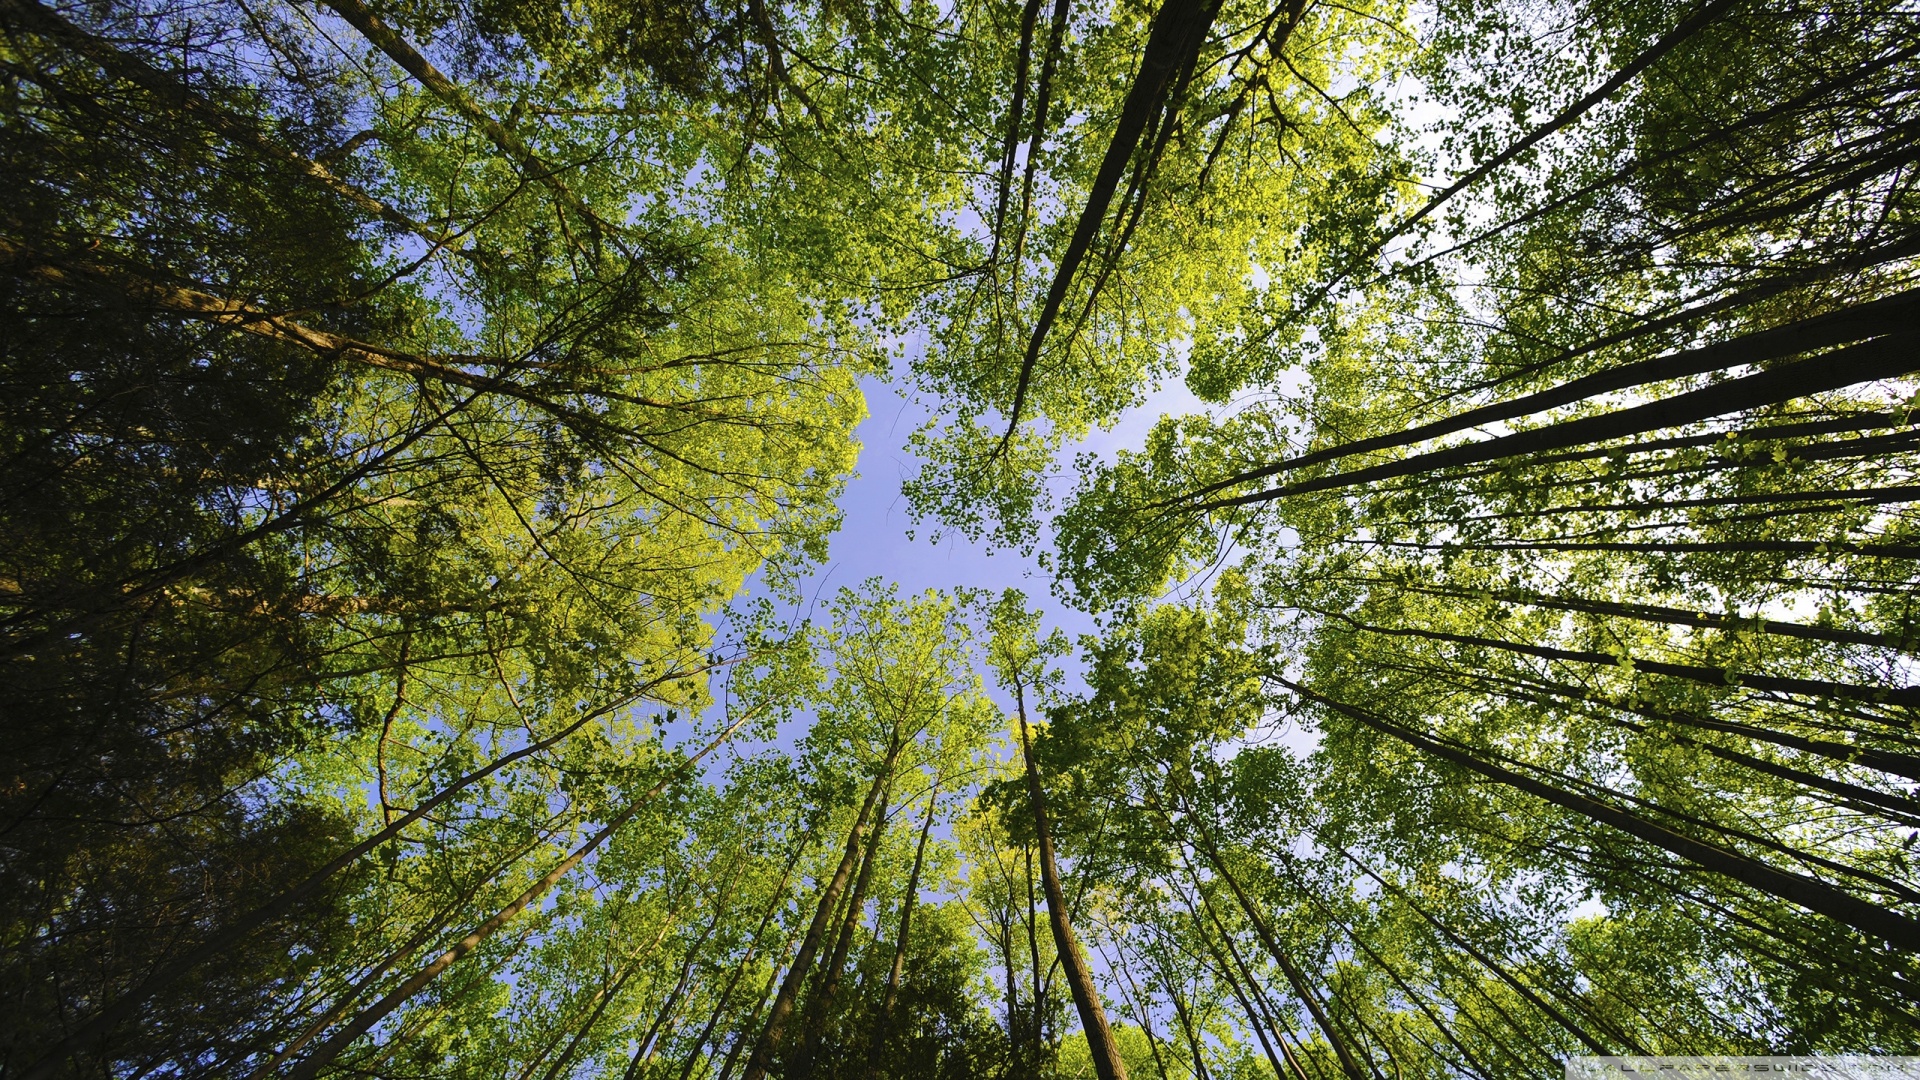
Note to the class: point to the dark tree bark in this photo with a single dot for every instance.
(774, 1033)
(1900, 695)
(1101, 1046)
(1816, 896)
(1349, 1063)
(124, 1008)
(1179, 29)
(1893, 314)
(883, 1024)
(307, 1067)
(1667, 616)
(1885, 357)
(820, 1007)
(740, 969)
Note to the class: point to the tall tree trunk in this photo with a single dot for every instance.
(775, 1031)
(1903, 695)
(1013, 979)
(1107, 1063)
(1809, 893)
(1888, 315)
(1193, 1041)
(1419, 1001)
(883, 1024)
(397, 49)
(1494, 967)
(603, 999)
(741, 1040)
(1178, 31)
(1016, 112)
(1254, 1007)
(1142, 1011)
(327, 1051)
(740, 969)
(420, 936)
(227, 936)
(1906, 552)
(1037, 994)
(1882, 358)
(1886, 761)
(643, 1054)
(177, 94)
(820, 1008)
(1667, 616)
(1297, 978)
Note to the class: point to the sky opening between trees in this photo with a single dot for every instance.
(424, 423)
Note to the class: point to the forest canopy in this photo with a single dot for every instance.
(424, 422)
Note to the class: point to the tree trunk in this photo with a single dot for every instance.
(176, 93)
(397, 49)
(1142, 1011)
(1419, 1001)
(1902, 695)
(361, 1024)
(1497, 969)
(1677, 547)
(605, 998)
(1036, 993)
(1349, 1064)
(1820, 501)
(1654, 613)
(883, 1024)
(427, 929)
(1178, 31)
(740, 969)
(1107, 1063)
(1016, 110)
(227, 936)
(643, 1054)
(820, 1008)
(1809, 893)
(1891, 314)
(775, 1031)
(1881, 358)
(1255, 1007)
(1886, 761)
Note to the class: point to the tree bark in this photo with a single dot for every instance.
(419, 938)
(1888, 315)
(740, 969)
(1901, 695)
(1349, 1064)
(175, 92)
(1173, 45)
(883, 1024)
(1809, 893)
(1497, 969)
(1880, 358)
(774, 1033)
(1101, 1046)
(307, 1067)
(602, 1000)
(1676, 547)
(1255, 1007)
(1141, 1006)
(397, 49)
(1667, 616)
(820, 1008)
(223, 939)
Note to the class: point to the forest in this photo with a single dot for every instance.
(425, 424)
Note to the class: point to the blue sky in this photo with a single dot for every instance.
(873, 540)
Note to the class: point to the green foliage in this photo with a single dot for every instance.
(1513, 662)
